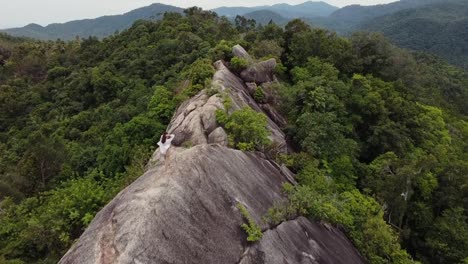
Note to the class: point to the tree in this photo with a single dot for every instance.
(244, 24)
(448, 239)
(247, 128)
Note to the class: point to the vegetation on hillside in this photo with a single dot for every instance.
(372, 117)
(381, 133)
(79, 120)
(439, 29)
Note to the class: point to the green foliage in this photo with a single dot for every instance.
(359, 215)
(212, 90)
(200, 75)
(381, 132)
(254, 233)
(259, 95)
(432, 28)
(265, 48)
(244, 24)
(58, 72)
(79, 119)
(246, 146)
(448, 239)
(161, 104)
(247, 128)
(373, 117)
(201, 70)
(238, 64)
(53, 221)
(222, 51)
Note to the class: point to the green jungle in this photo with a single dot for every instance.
(380, 132)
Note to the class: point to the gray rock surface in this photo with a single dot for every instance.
(183, 209)
(195, 119)
(304, 242)
(260, 72)
(231, 85)
(218, 136)
(240, 52)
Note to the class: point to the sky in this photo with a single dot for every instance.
(18, 13)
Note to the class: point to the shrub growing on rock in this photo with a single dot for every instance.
(239, 64)
(252, 228)
(247, 128)
(259, 95)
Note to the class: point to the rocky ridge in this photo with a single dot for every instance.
(184, 210)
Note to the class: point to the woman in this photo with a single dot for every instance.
(165, 143)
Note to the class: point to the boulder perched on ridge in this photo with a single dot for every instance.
(261, 72)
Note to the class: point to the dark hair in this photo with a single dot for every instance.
(164, 137)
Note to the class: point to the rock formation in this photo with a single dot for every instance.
(184, 210)
(260, 72)
(240, 52)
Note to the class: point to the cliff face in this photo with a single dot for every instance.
(184, 210)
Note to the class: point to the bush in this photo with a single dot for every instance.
(251, 228)
(247, 128)
(360, 215)
(259, 95)
(266, 48)
(239, 64)
(200, 71)
(222, 51)
(52, 223)
(58, 72)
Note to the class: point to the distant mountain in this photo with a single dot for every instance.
(307, 9)
(348, 18)
(100, 27)
(265, 16)
(440, 28)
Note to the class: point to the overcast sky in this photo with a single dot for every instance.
(16, 13)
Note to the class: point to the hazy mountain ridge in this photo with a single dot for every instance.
(435, 26)
(263, 17)
(99, 27)
(348, 18)
(440, 28)
(306, 9)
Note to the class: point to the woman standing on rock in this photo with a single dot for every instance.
(165, 143)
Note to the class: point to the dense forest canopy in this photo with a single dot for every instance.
(433, 26)
(438, 28)
(380, 132)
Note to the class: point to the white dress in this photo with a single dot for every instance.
(163, 147)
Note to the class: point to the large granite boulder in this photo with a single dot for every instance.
(304, 242)
(260, 72)
(195, 119)
(184, 211)
(240, 52)
(218, 136)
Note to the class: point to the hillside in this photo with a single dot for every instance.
(264, 17)
(99, 27)
(347, 19)
(440, 29)
(435, 26)
(293, 149)
(306, 9)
